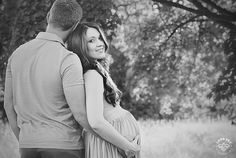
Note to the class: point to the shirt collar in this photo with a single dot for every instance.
(50, 37)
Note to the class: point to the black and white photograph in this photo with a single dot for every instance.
(117, 78)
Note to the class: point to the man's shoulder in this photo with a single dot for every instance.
(68, 52)
(20, 48)
(26, 46)
(23, 45)
(58, 47)
(69, 55)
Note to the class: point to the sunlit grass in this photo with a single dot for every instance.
(185, 139)
(178, 139)
(8, 143)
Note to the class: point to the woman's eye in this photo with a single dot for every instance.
(91, 41)
(100, 37)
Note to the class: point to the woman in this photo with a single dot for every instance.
(105, 116)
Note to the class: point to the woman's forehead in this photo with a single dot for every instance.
(92, 32)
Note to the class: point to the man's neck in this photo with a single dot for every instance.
(62, 34)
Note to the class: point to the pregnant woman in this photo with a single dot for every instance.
(116, 132)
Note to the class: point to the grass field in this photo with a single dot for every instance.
(179, 139)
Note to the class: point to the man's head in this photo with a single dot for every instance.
(64, 14)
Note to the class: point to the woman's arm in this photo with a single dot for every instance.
(94, 103)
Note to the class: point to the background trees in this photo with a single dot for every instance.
(216, 18)
(168, 55)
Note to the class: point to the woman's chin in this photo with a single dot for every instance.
(102, 56)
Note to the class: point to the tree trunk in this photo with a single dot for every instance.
(13, 12)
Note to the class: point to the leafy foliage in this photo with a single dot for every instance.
(172, 54)
(168, 55)
(220, 13)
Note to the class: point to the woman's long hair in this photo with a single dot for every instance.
(77, 43)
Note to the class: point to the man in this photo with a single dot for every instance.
(44, 90)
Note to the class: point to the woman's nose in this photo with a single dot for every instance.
(100, 43)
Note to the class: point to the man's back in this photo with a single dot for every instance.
(38, 71)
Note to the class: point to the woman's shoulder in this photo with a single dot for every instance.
(92, 74)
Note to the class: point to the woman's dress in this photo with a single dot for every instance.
(124, 122)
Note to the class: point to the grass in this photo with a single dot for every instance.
(8, 143)
(185, 139)
(178, 139)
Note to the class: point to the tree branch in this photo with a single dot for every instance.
(181, 25)
(177, 5)
(220, 9)
(205, 11)
(16, 15)
(222, 20)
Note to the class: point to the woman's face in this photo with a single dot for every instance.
(95, 44)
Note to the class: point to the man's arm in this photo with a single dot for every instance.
(75, 97)
(8, 103)
(74, 90)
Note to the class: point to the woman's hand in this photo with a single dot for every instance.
(136, 143)
(135, 148)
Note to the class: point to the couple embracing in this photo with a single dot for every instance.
(60, 99)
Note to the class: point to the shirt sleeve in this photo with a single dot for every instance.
(8, 70)
(72, 71)
(8, 94)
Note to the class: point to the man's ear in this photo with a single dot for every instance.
(75, 25)
(48, 14)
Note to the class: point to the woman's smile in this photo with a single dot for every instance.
(100, 50)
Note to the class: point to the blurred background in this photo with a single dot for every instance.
(174, 60)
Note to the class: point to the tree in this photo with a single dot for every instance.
(133, 15)
(222, 13)
(171, 55)
(166, 59)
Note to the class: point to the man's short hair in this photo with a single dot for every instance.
(64, 14)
